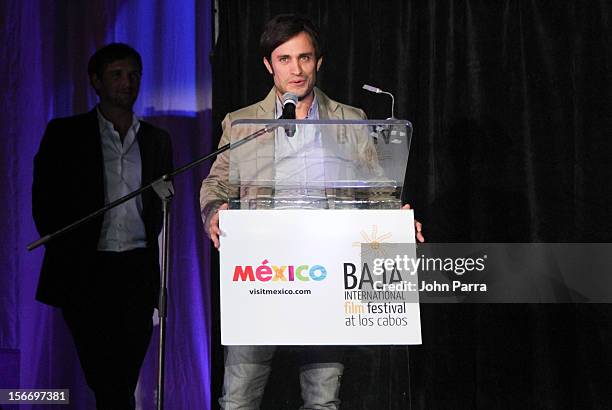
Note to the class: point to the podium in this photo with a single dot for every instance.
(313, 243)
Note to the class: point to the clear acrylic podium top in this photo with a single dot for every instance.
(318, 164)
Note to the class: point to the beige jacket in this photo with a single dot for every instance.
(216, 188)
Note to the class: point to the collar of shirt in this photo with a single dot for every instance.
(313, 111)
(107, 130)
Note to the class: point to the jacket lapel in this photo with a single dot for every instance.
(265, 144)
(94, 142)
(328, 109)
(267, 106)
(144, 145)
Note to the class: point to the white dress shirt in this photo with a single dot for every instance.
(123, 228)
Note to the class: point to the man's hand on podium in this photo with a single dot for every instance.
(418, 227)
(213, 226)
(215, 231)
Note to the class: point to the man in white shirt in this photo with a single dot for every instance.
(105, 274)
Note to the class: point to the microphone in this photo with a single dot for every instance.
(289, 101)
(376, 90)
(372, 89)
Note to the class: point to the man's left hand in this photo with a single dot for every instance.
(418, 227)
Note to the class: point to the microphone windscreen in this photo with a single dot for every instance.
(290, 98)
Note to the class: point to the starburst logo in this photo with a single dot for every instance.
(372, 242)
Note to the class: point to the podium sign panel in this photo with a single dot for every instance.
(304, 277)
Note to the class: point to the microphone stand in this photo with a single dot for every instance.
(377, 90)
(165, 190)
(384, 130)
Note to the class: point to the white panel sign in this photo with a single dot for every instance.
(296, 277)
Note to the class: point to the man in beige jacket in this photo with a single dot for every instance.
(291, 52)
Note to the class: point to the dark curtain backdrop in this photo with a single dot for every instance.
(511, 104)
(45, 46)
